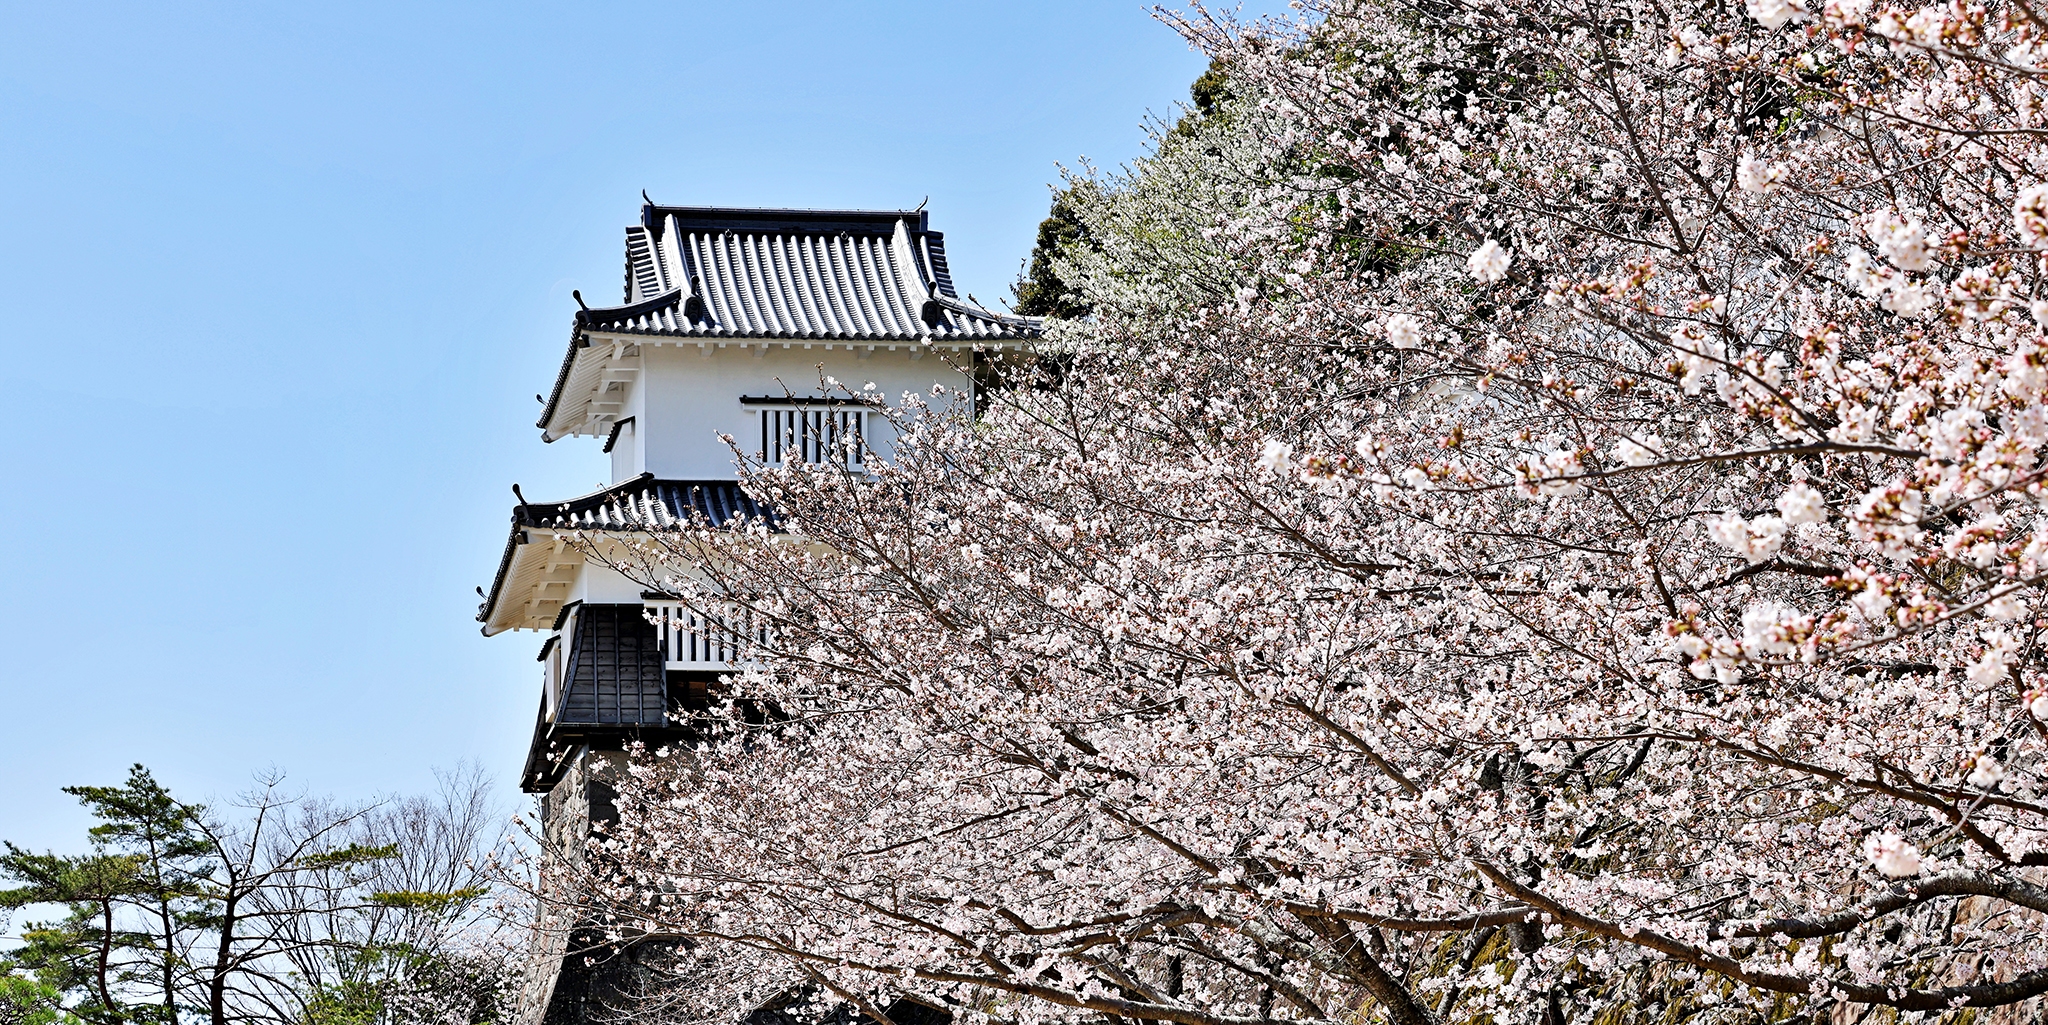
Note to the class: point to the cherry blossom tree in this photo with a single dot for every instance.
(1542, 523)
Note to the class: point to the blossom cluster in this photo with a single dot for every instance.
(1545, 517)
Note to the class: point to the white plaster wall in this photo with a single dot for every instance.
(684, 400)
(626, 452)
(603, 585)
(631, 451)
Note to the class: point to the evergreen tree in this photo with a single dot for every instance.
(86, 953)
(291, 910)
(1085, 218)
(28, 1001)
(142, 821)
(1041, 292)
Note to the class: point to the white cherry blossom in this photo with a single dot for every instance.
(1892, 855)
(1751, 173)
(1403, 331)
(2030, 215)
(1773, 14)
(1489, 262)
(1801, 503)
(1631, 452)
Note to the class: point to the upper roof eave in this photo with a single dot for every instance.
(1013, 331)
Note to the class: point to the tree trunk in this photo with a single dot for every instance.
(1393, 996)
(164, 920)
(106, 956)
(217, 986)
(169, 977)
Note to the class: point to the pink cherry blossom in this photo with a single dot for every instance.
(1652, 632)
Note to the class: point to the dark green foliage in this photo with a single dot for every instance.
(26, 1001)
(423, 901)
(1207, 98)
(346, 857)
(85, 953)
(160, 834)
(1041, 292)
(1210, 91)
(129, 904)
(142, 818)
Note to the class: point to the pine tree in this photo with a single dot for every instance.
(142, 821)
(86, 953)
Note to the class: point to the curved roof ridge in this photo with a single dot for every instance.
(647, 498)
(786, 218)
(958, 305)
(592, 316)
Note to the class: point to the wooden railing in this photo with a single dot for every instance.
(692, 640)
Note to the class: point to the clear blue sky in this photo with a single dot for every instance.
(279, 283)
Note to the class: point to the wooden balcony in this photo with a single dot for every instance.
(691, 640)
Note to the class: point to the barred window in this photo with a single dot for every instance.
(810, 432)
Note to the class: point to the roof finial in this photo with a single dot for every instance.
(577, 294)
(643, 196)
(921, 203)
(517, 495)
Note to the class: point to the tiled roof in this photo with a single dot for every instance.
(834, 275)
(784, 278)
(643, 503)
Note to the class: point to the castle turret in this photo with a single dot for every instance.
(732, 321)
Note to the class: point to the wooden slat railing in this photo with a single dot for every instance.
(693, 640)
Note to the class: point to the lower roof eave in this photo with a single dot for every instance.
(624, 509)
